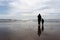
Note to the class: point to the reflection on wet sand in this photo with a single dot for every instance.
(42, 27)
(40, 30)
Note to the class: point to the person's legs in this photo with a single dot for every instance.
(38, 22)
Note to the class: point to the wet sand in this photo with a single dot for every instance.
(27, 30)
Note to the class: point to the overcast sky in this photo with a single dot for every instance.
(29, 9)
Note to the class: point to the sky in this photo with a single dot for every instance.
(29, 9)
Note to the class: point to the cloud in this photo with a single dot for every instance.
(28, 8)
(54, 4)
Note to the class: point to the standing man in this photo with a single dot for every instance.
(39, 19)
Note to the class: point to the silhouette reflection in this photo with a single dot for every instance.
(39, 30)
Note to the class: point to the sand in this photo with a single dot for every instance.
(27, 30)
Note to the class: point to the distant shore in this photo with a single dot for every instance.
(13, 20)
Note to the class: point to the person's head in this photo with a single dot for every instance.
(39, 14)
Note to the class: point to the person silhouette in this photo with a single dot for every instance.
(39, 19)
(42, 24)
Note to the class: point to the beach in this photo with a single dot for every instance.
(27, 30)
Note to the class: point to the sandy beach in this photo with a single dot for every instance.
(27, 30)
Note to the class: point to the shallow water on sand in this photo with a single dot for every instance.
(27, 30)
